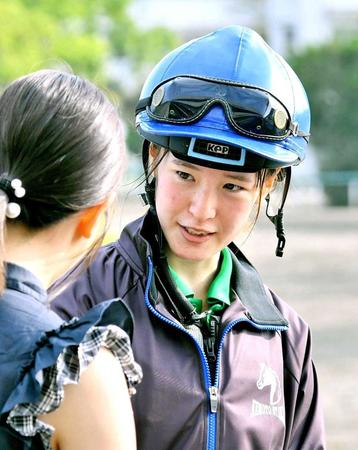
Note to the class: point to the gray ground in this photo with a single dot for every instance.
(318, 276)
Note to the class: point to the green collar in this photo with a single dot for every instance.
(218, 295)
(221, 284)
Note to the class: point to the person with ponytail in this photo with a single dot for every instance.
(63, 386)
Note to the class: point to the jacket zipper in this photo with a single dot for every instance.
(211, 389)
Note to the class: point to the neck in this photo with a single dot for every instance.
(197, 274)
(47, 253)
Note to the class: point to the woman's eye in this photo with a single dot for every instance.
(184, 175)
(232, 187)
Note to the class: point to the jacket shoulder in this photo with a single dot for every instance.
(296, 340)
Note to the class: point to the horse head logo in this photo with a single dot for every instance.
(268, 377)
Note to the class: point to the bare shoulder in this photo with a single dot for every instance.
(96, 412)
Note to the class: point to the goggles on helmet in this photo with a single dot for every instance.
(250, 110)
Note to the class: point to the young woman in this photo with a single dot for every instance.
(62, 386)
(226, 363)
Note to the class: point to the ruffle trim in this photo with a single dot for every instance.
(67, 370)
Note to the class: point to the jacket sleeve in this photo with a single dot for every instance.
(95, 285)
(307, 428)
(304, 414)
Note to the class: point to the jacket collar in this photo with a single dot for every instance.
(22, 280)
(255, 297)
(139, 240)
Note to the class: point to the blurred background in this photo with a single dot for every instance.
(115, 43)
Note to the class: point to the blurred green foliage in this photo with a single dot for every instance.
(330, 76)
(81, 34)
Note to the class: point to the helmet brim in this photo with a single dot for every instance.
(214, 127)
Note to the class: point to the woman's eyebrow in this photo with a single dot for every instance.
(180, 162)
(240, 177)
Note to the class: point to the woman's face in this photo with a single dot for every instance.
(201, 210)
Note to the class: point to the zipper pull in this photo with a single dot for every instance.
(209, 345)
(213, 390)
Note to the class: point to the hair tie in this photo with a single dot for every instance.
(13, 190)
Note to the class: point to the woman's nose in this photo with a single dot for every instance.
(203, 204)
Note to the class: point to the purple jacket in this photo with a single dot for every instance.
(264, 394)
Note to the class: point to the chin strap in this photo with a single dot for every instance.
(148, 196)
(277, 220)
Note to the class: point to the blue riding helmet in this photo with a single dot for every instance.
(226, 100)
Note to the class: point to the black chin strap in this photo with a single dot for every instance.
(277, 220)
(148, 196)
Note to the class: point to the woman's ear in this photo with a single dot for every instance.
(270, 183)
(155, 156)
(88, 220)
(153, 151)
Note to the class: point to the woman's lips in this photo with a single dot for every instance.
(195, 234)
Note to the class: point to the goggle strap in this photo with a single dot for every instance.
(142, 104)
(293, 127)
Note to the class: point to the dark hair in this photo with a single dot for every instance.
(62, 138)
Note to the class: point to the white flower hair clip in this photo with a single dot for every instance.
(13, 190)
